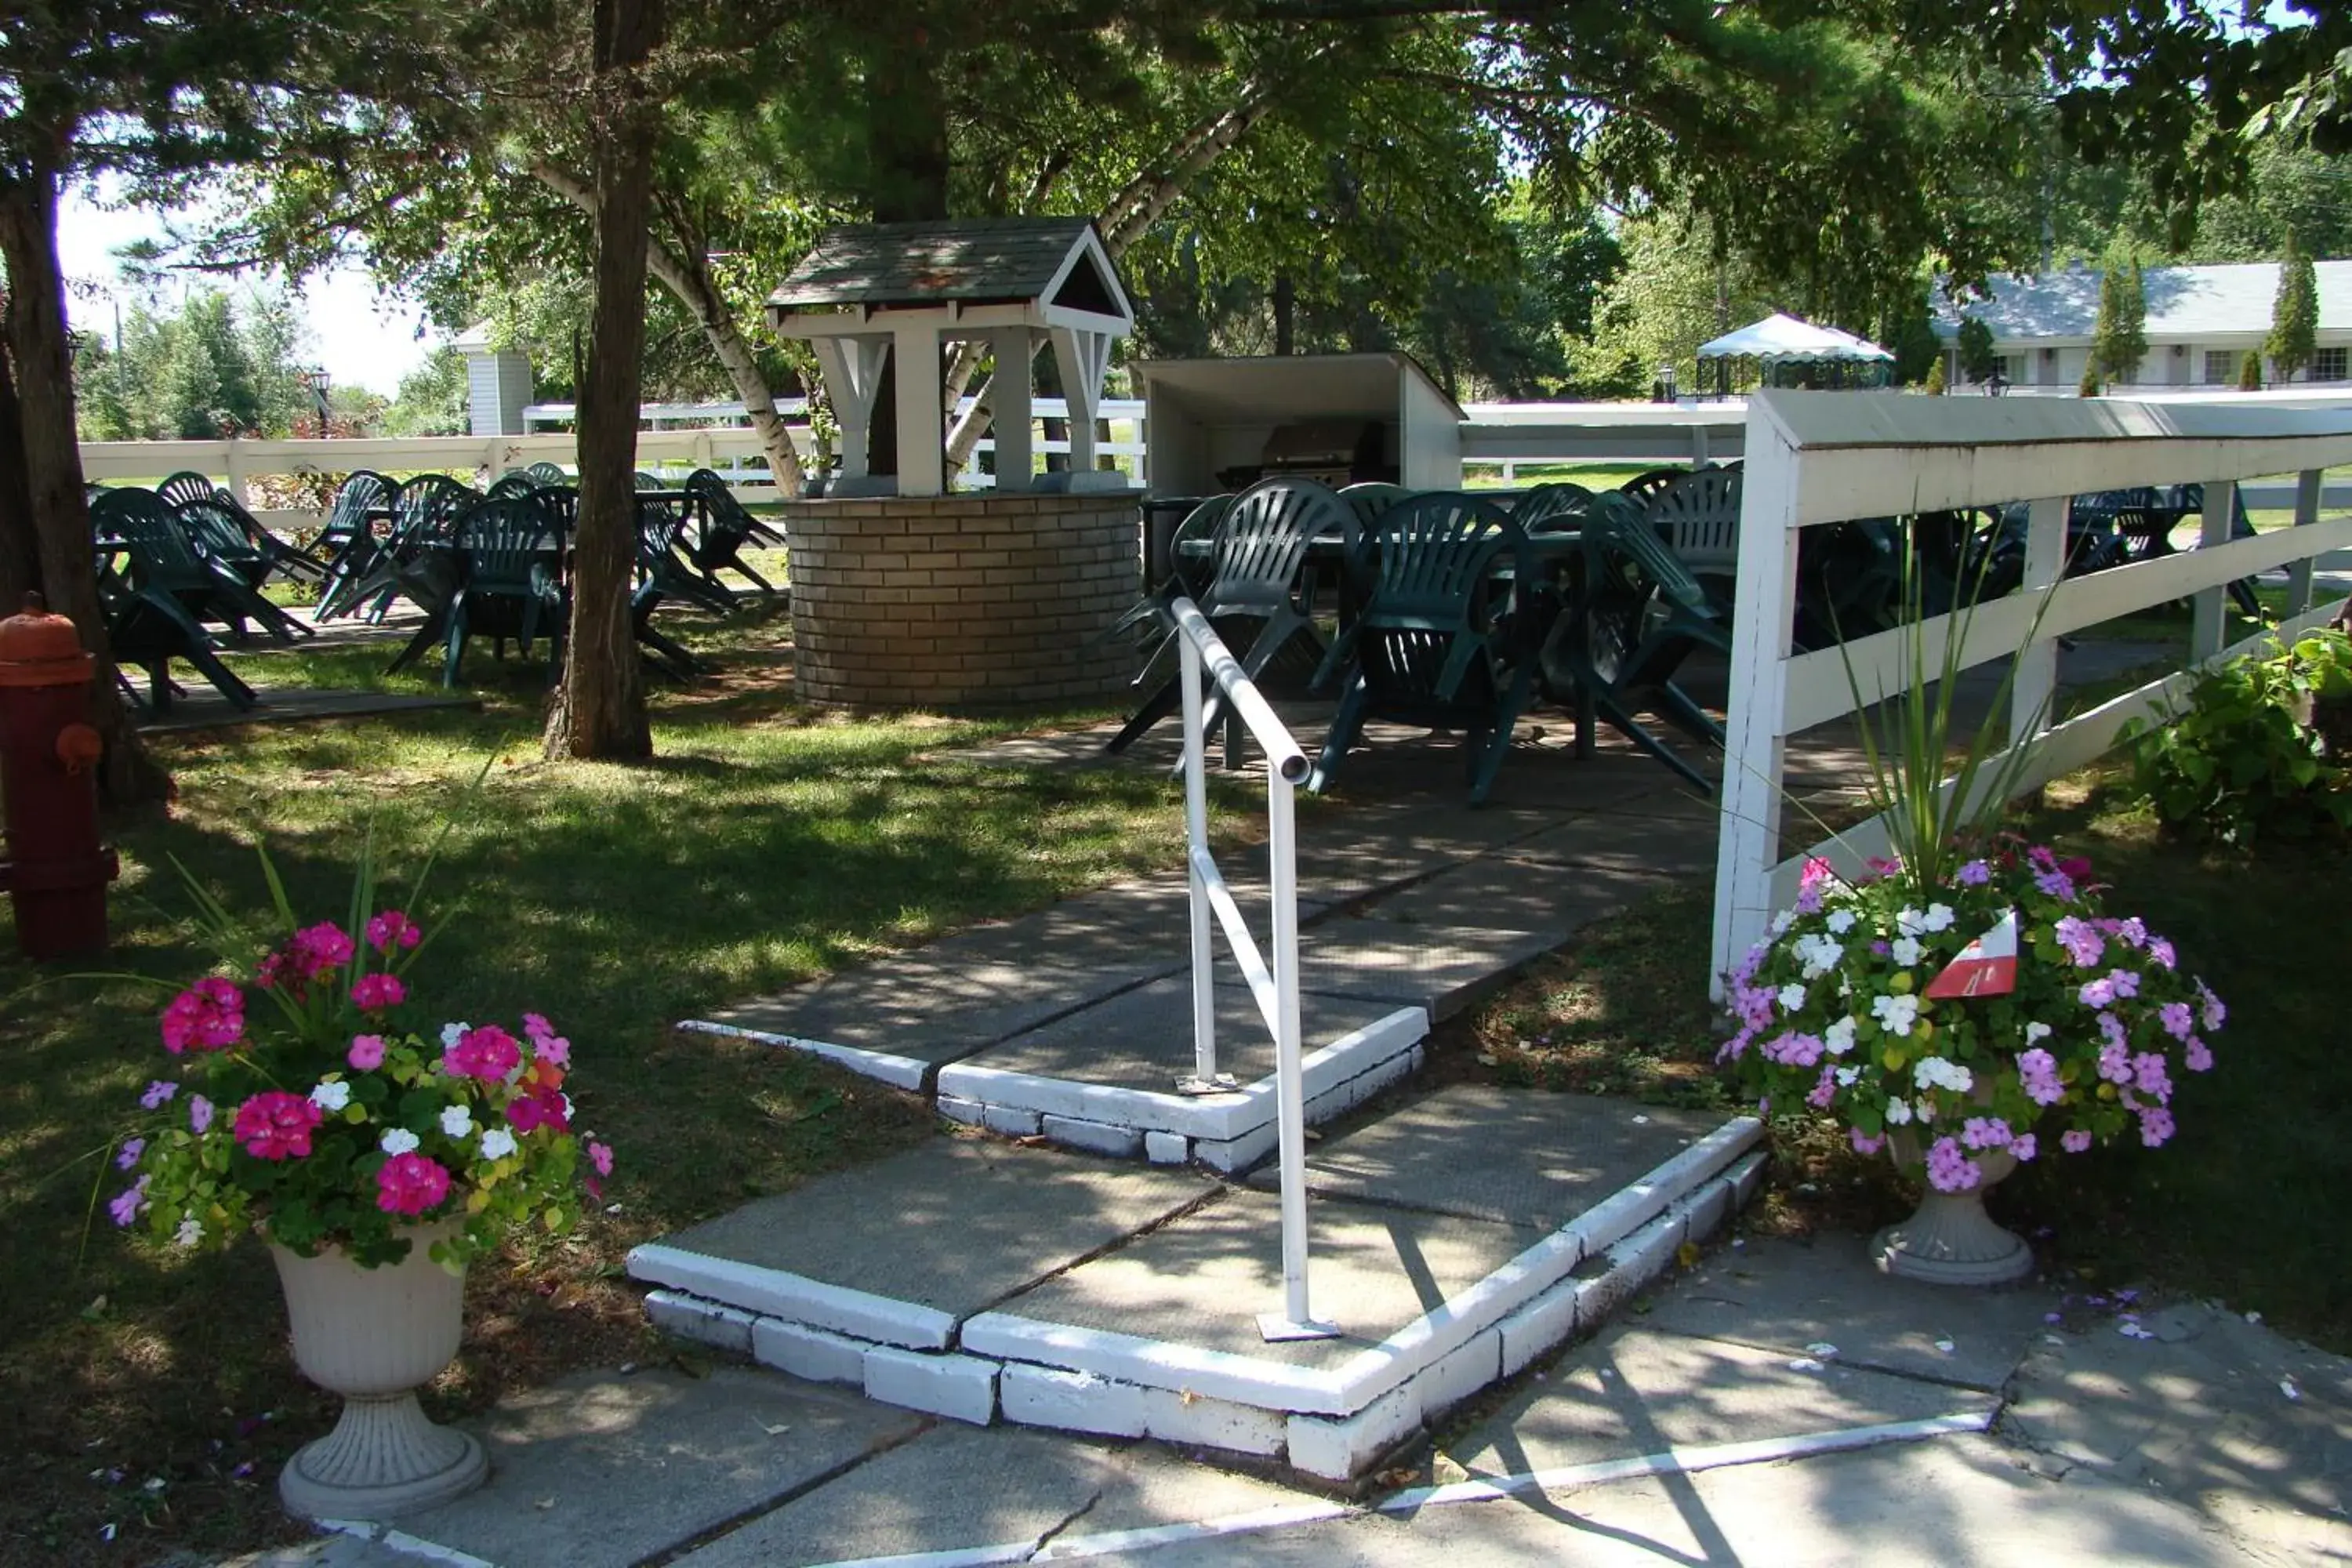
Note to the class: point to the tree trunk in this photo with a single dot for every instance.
(49, 452)
(20, 556)
(1285, 312)
(690, 281)
(600, 710)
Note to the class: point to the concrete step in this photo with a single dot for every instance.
(981, 1280)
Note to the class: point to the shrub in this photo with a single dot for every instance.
(2243, 758)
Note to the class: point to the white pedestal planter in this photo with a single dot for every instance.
(1951, 1240)
(375, 1335)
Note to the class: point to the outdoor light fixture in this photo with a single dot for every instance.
(1667, 381)
(316, 380)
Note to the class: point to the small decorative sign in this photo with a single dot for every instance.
(1986, 967)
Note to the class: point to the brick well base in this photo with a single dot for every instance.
(961, 602)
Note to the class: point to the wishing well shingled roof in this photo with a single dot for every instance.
(922, 263)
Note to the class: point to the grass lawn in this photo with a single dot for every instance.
(2235, 1208)
(765, 845)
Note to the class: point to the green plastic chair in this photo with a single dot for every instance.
(157, 607)
(1698, 516)
(1436, 641)
(213, 530)
(1552, 508)
(548, 474)
(1261, 597)
(509, 561)
(348, 542)
(1371, 497)
(1635, 614)
(718, 545)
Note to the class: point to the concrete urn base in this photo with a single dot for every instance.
(1950, 1241)
(374, 1336)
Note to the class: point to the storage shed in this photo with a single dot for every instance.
(498, 382)
(1214, 425)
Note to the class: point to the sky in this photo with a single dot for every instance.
(362, 336)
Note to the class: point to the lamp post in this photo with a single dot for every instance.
(316, 380)
(1667, 381)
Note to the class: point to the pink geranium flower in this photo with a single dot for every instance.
(210, 1017)
(528, 1112)
(322, 947)
(488, 1052)
(546, 1045)
(392, 929)
(376, 993)
(366, 1053)
(410, 1183)
(275, 1125)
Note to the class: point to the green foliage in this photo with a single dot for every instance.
(2241, 759)
(2119, 337)
(2089, 385)
(1908, 745)
(432, 400)
(1975, 344)
(2293, 342)
(1935, 378)
(218, 367)
(1675, 291)
(2249, 373)
(1909, 333)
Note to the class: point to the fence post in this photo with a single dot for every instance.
(1763, 619)
(2306, 512)
(2036, 685)
(2208, 605)
(236, 466)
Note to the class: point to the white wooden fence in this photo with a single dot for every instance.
(1821, 458)
(732, 449)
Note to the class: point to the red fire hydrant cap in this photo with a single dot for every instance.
(40, 649)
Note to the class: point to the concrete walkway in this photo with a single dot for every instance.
(1773, 1404)
(1768, 1403)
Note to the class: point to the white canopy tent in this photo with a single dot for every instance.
(1781, 340)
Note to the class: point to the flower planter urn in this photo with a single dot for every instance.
(374, 1336)
(1950, 1241)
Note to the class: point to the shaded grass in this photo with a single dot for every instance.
(2236, 1208)
(766, 844)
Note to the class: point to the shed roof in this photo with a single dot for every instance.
(2182, 301)
(969, 259)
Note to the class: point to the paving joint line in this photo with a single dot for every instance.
(759, 1510)
(1117, 1244)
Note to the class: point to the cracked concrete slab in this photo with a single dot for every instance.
(958, 1486)
(2250, 1426)
(1636, 1391)
(1785, 1295)
(602, 1469)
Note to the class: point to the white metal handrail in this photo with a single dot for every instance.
(1824, 457)
(1273, 984)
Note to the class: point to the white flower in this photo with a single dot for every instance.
(1910, 922)
(190, 1232)
(568, 1111)
(1846, 986)
(1935, 1072)
(1838, 921)
(452, 1032)
(1898, 1112)
(397, 1141)
(2037, 1032)
(1819, 954)
(1896, 1014)
(457, 1121)
(1791, 998)
(332, 1095)
(1839, 1036)
(497, 1144)
(1783, 921)
(1938, 918)
(1904, 950)
(1846, 1077)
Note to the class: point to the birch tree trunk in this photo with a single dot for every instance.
(49, 452)
(685, 272)
(600, 710)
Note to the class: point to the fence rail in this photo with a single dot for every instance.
(1824, 458)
